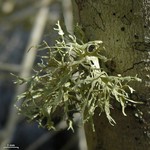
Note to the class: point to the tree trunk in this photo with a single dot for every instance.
(121, 25)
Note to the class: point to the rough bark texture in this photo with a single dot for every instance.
(120, 24)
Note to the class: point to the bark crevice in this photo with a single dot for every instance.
(133, 66)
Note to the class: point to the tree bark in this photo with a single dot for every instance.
(121, 25)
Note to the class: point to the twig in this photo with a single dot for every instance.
(82, 138)
(40, 141)
(68, 15)
(9, 67)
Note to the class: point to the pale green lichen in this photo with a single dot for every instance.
(70, 79)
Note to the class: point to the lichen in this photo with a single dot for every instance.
(69, 79)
